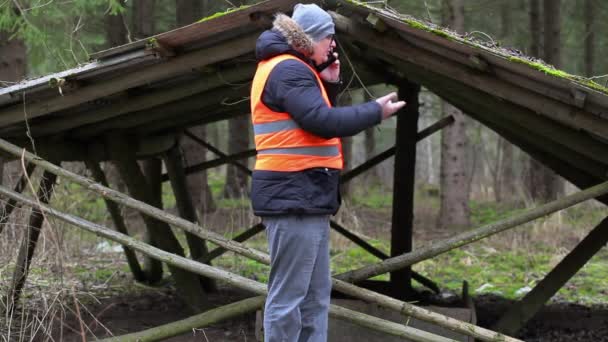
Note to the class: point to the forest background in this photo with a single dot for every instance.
(465, 176)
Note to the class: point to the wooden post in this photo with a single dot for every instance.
(183, 199)
(11, 204)
(188, 285)
(30, 239)
(403, 186)
(149, 276)
(527, 307)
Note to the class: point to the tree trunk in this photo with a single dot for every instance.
(504, 188)
(187, 12)
(143, 19)
(455, 187)
(589, 37)
(238, 141)
(544, 184)
(13, 66)
(116, 31)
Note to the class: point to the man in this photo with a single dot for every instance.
(296, 176)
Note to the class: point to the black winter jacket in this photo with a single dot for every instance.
(292, 88)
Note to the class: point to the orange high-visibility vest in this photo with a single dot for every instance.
(281, 144)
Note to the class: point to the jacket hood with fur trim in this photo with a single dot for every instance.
(286, 36)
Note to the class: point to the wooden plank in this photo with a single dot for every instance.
(218, 152)
(94, 124)
(147, 102)
(584, 146)
(460, 50)
(215, 162)
(171, 68)
(555, 110)
(244, 236)
(251, 17)
(525, 309)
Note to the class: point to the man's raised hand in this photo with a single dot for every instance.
(388, 106)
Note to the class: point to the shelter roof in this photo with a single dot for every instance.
(200, 73)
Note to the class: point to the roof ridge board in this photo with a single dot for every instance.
(204, 28)
(530, 63)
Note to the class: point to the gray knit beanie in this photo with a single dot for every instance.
(314, 21)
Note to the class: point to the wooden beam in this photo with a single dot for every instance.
(422, 280)
(150, 276)
(174, 67)
(522, 311)
(244, 236)
(215, 163)
(437, 126)
(183, 199)
(574, 145)
(218, 152)
(30, 240)
(188, 285)
(208, 89)
(403, 186)
(194, 118)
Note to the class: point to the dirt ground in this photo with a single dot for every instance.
(120, 315)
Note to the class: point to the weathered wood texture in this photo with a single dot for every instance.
(183, 200)
(184, 326)
(403, 186)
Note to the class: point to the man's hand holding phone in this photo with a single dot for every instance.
(330, 70)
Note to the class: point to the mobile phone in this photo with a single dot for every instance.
(330, 60)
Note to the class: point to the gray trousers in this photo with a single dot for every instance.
(299, 286)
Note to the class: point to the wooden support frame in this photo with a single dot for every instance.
(403, 186)
(379, 254)
(150, 276)
(519, 314)
(11, 204)
(30, 240)
(214, 163)
(183, 199)
(437, 126)
(188, 284)
(405, 308)
(217, 151)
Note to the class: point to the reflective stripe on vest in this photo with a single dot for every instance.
(282, 145)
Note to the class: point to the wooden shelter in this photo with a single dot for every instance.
(136, 100)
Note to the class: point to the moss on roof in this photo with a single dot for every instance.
(221, 14)
(490, 47)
